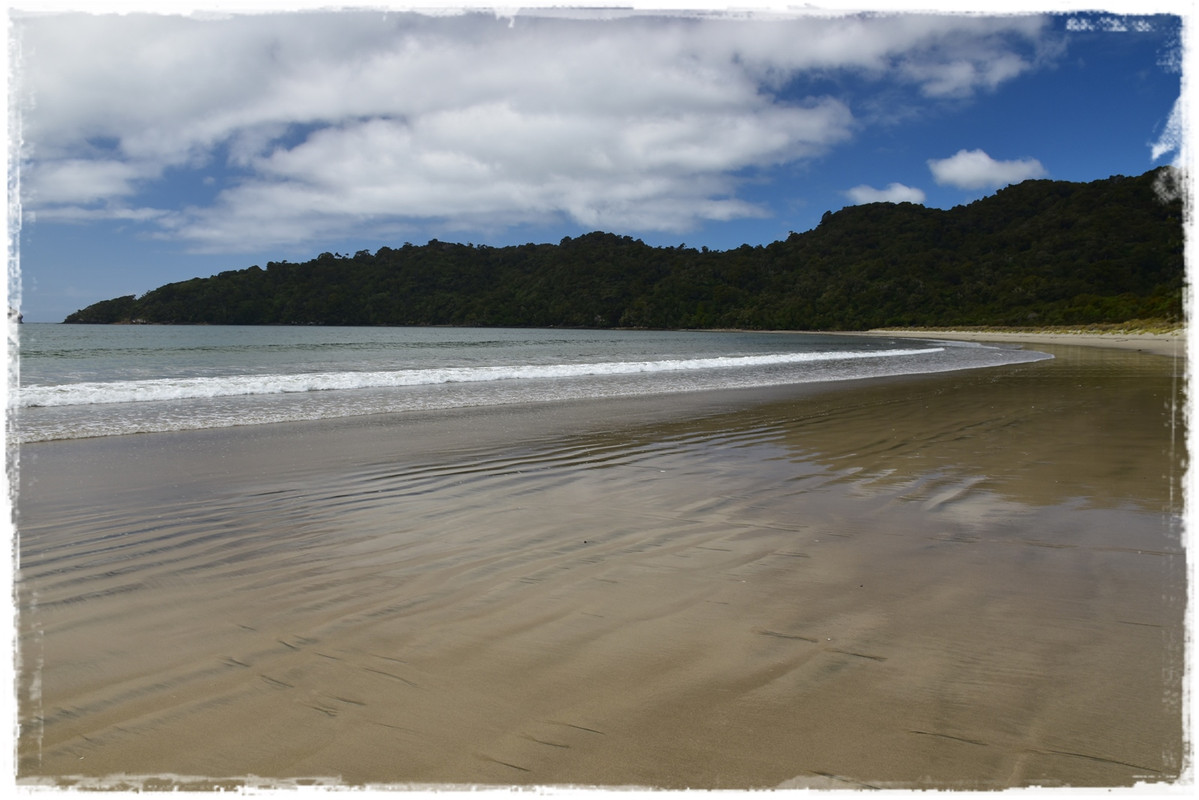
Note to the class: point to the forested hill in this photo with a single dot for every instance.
(1041, 252)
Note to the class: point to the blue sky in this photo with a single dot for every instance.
(160, 147)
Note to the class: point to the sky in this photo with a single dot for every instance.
(147, 148)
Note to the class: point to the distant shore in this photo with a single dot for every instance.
(1168, 343)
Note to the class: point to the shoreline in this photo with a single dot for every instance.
(708, 400)
(1173, 344)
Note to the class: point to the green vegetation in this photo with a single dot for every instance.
(1039, 253)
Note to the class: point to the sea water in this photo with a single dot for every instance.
(76, 381)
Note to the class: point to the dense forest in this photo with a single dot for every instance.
(1041, 252)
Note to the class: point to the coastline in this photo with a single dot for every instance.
(1172, 344)
(957, 580)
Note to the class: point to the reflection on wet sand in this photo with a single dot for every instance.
(970, 580)
(1090, 426)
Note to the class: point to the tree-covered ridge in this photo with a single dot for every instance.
(1044, 252)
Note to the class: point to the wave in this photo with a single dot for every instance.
(94, 393)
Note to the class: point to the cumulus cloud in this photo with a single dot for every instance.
(314, 123)
(78, 180)
(974, 169)
(894, 193)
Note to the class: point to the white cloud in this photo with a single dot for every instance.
(105, 212)
(1171, 139)
(974, 169)
(325, 120)
(894, 193)
(82, 181)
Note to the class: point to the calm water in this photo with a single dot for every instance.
(83, 380)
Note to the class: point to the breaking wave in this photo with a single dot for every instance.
(191, 388)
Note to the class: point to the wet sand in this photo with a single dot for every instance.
(968, 580)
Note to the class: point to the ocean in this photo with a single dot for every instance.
(78, 381)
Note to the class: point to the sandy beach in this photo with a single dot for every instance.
(971, 580)
(1171, 344)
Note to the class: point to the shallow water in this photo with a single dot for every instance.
(79, 381)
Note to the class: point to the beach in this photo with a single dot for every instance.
(965, 580)
(1171, 344)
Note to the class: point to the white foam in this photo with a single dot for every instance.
(95, 393)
